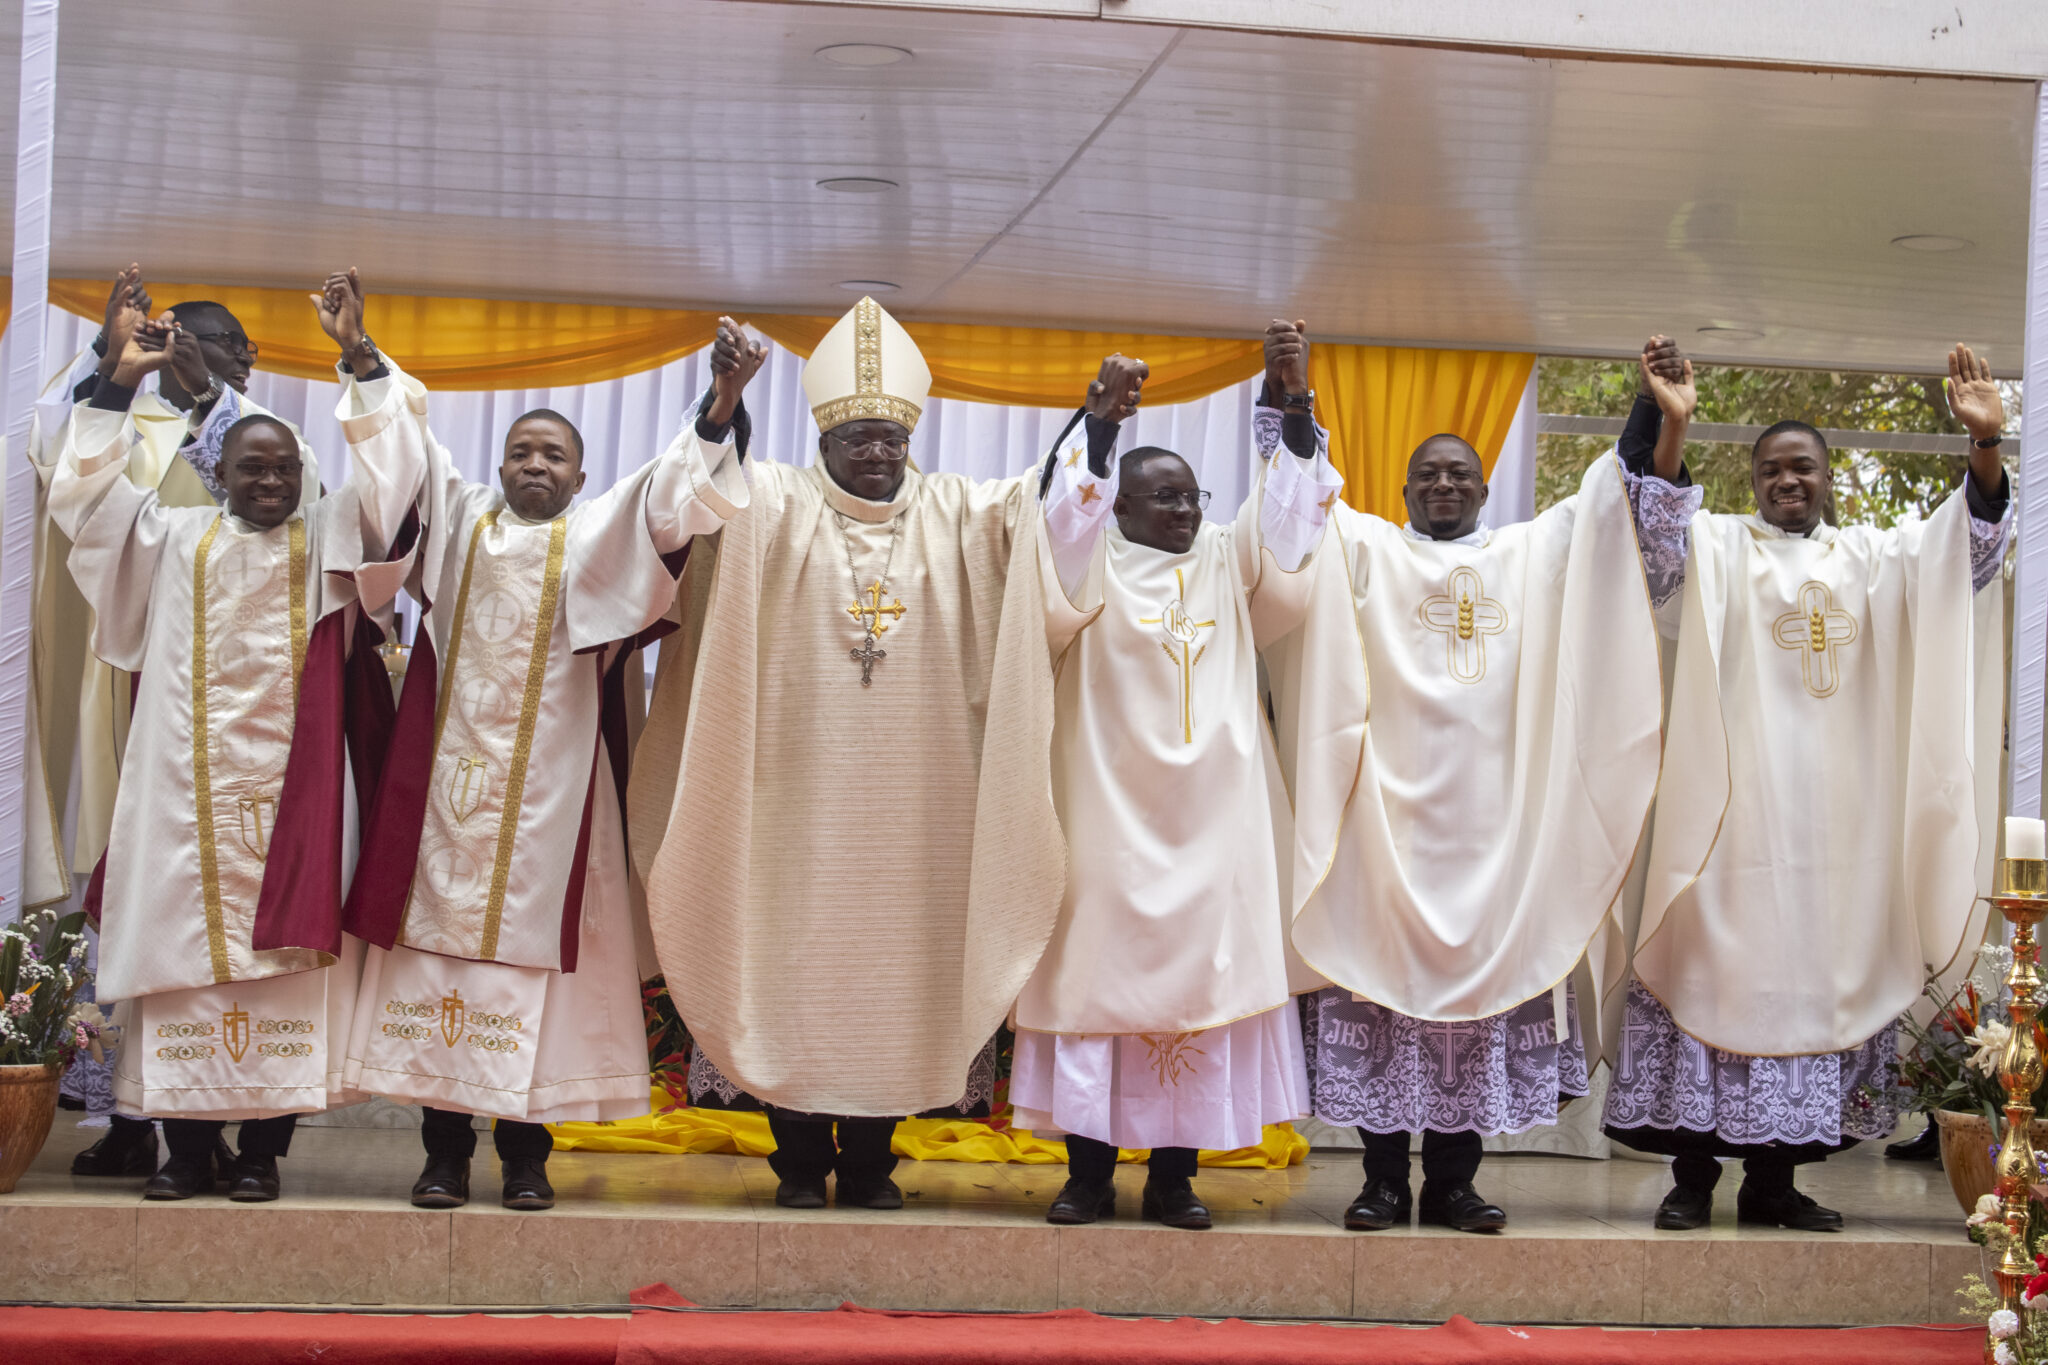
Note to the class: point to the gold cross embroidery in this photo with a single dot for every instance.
(1090, 493)
(1815, 628)
(1466, 616)
(871, 612)
(1327, 503)
(1073, 457)
(1181, 631)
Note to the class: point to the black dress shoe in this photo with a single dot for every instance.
(1082, 1201)
(801, 1194)
(128, 1147)
(224, 1163)
(1924, 1145)
(179, 1180)
(1685, 1208)
(255, 1180)
(1790, 1209)
(1460, 1208)
(879, 1196)
(1379, 1206)
(443, 1183)
(526, 1185)
(1172, 1202)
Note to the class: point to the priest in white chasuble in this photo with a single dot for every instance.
(1160, 1016)
(78, 705)
(858, 859)
(503, 977)
(220, 901)
(1825, 819)
(1471, 717)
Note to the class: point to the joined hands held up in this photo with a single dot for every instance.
(340, 307)
(1114, 393)
(1667, 378)
(1286, 359)
(128, 290)
(734, 361)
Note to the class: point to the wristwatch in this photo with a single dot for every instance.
(365, 348)
(213, 391)
(1299, 402)
(1992, 444)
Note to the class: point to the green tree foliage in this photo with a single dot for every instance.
(1879, 487)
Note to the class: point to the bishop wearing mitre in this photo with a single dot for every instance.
(843, 784)
(220, 898)
(1161, 1016)
(503, 977)
(1826, 817)
(1471, 717)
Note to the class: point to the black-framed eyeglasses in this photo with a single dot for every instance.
(878, 450)
(1166, 499)
(234, 343)
(253, 470)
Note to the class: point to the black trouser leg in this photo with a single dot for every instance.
(1386, 1157)
(803, 1147)
(271, 1137)
(1172, 1163)
(1089, 1160)
(447, 1134)
(1768, 1173)
(517, 1140)
(192, 1139)
(1695, 1171)
(865, 1156)
(1450, 1158)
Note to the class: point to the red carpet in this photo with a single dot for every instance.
(860, 1336)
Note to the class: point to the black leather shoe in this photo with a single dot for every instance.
(1460, 1208)
(1379, 1206)
(128, 1147)
(526, 1185)
(801, 1194)
(255, 1180)
(225, 1163)
(1924, 1145)
(1082, 1201)
(179, 1180)
(443, 1183)
(882, 1196)
(1173, 1203)
(1685, 1208)
(1788, 1210)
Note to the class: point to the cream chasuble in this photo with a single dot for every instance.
(1473, 729)
(512, 988)
(1821, 831)
(853, 882)
(218, 614)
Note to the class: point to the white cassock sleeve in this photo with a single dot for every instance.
(1280, 526)
(117, 530)
(53, 410)
(1078, 509)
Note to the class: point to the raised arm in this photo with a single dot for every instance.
(1662, 497)
(1974, 400)
(1298, 491)
(1079, 493)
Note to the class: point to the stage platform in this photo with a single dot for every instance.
(1579, 1249)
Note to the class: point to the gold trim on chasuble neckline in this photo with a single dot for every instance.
(202, 769)
(1173, 616)
(529, 710)
(1814, 628)
(1465, 616)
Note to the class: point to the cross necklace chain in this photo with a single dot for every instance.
(867, 608)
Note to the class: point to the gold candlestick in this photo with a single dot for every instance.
(2022, 897)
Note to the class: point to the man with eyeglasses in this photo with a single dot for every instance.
(219, 900)
(1471, 719)
(78, 704)
(1160, 1016)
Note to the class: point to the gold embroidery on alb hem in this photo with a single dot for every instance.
(202, 785)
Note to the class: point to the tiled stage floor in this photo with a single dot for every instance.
(1579, 1247)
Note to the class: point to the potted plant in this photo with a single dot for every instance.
(42, 1027)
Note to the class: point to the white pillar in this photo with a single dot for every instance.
(24, 352)
(2030, 583)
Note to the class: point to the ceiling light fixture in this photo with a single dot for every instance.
(869, 286)
(857, 184)
(862, 54)
(1731, 334)
(1931, 241)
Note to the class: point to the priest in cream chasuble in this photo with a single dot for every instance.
(854, 860)
(503, 977)
(1161, 1016)
(1471, 717)
(235, 977)
(1824, 823)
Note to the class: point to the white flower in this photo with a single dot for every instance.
(1987, 1204)
(2005, 1355)
(1989, 1040)
(87, 1013)
(2004, 1324)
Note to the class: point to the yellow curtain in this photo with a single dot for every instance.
(1044, 367)
(1380, 402)
(6, 300)
(669, 1129)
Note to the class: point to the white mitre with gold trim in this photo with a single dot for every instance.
(867, 367)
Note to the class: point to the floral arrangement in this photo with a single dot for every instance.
(668, 1044)
(42, 970)
(1951, 1062)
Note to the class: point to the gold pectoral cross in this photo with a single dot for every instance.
(1179, 643)
(870, 612)
(1815, 628)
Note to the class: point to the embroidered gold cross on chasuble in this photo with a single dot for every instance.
(1181, 632)
(1465, 616)
(869, 612)
(1816, 628)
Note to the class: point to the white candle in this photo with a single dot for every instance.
(2025, 838)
